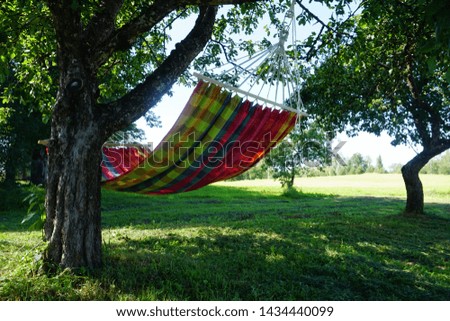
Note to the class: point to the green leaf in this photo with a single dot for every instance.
(447, 76)
(431, 62)
(29, 217)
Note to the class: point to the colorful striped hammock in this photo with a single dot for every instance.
(217, 136)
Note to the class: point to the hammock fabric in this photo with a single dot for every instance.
(216, 137)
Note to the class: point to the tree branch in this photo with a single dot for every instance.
(419, 106)
(299, 2)
(66, 20)
(313, 50)
(133, 105)
(102, 23)
(123, 38)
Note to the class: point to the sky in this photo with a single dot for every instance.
(366, 144)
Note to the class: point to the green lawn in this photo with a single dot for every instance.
(342, 238)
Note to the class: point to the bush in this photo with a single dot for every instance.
(36, 208)
(12, 197)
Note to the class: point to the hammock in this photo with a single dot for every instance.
(217, 136)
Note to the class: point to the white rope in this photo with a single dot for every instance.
(270, 70)
(243, 92)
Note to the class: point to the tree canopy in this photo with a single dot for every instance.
(302, 149)
(389, 73)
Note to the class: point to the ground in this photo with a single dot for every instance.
(340, 238)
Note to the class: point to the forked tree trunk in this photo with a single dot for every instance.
(80, 125)
(73, 224)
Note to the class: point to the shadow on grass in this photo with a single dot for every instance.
(308, 263)
(215, 204)
(225, 243)
(238, 245)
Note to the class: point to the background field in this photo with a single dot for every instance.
(436, 187)
(341, 238)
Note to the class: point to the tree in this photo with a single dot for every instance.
(440, 165)
(379, 167)
(390, 72)
(26, 86)
(20, 128)
(112, 66)
(27, 90)
(301, 149)
(87, 41)
(19, 151)
(357, 164)
(370, 167)
(84, 42)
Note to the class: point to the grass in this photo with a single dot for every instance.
(340, 238)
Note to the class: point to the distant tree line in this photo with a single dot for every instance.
(439, 165)
(356, 164)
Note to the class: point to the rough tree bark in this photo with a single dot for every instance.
(80, 125)
(73, 224)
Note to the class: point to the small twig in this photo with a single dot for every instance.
(335, 31)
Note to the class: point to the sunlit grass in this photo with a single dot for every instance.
(436, 187)
(339, 239)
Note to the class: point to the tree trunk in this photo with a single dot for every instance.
(291, 178)
(73, 223)
(10, 166)
(80, 125)
(414, 189)
(410, 173)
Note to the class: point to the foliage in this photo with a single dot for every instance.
(367, 82)
(36, 214)
(131, 134)
(28, 85)
(396, 168)
(20, 129)
(259, 171)
(356, 164)
(233, 36)
(28, 75)
(120, 51)
(302, 148)
(390, 74)
(333, 243)
(28, 67)
(440, 165)
(12, 197)
(379, 167)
